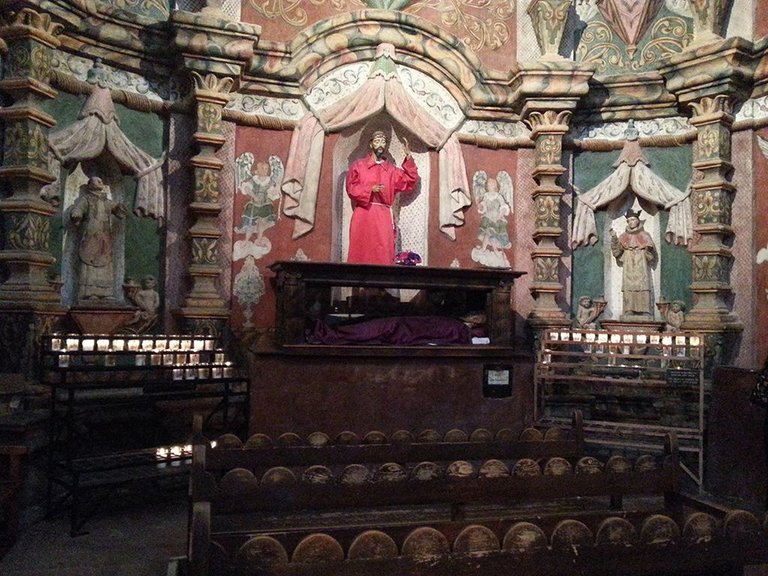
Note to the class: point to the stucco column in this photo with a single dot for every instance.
(711, 199)
(30, 38)
(204, 306)
(710, 80)
(547, 130)
(29, 302)
(214, 51)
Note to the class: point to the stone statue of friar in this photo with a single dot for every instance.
(92, 215)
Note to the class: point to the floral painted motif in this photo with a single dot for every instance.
(479, 24)
(248, 288)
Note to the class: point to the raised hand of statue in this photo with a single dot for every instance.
(120, 210)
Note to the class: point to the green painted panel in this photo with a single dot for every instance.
(144, 241)
(591, 168)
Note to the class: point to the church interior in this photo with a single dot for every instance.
(389, 286)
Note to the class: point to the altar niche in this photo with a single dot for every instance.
(308, 296)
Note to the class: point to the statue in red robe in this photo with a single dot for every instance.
(373, 183)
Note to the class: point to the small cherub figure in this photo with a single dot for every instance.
(675, 316)
(148, 301)
(588, 311)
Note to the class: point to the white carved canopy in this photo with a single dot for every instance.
(633, 175)
(382, 92)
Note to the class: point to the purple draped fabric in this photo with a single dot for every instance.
(396, 331)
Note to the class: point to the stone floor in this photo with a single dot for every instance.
(136, 540)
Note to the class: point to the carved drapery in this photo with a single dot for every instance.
(708, 18)
(549, 18)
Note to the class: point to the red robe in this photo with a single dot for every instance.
(372, 229)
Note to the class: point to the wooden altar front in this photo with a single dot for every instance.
(302, 388)
(306, 289)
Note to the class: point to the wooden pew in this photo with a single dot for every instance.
(238, 503)
(652, 544)
(261, 452)
(10, 493)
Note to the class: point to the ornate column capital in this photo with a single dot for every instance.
(208, 42)
(722, 69)
(28, 24)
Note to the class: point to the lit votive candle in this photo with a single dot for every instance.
(627, 338)
(194, 358)
(156, 359)
(55, 343)
(218, 358)
(577, 336)
(173, 344)
(161, 344)
(147, 344)
(185, 344)
(133, 345)
(178, 373)
(590, 336)
(655, 339)
(175, 455)
(216, 372)
(168, 359)
(602, 337)
(189, 373)
(615, 338)
(209, 344)
(564, 336)
(198, 345)
(680, 340)
(202, 372)
(118, 344)
(666, 340)
(141, 360)
(642, 338)
(229, 371)
(102, 344)
(63, 360)
(695, 341)
(73, 344)
(554, 336)
(181, 358)
(161, 453)
(88, 344)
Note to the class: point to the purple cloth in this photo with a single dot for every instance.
(397, 331)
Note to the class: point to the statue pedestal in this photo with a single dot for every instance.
(632, 325)
(104, 320)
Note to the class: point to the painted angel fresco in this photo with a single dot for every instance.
(261, 185)
(493, 197)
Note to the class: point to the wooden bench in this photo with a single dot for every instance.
(10, 493)
(233, 530)
(260, 452)
(649, 544)
(230, 504)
